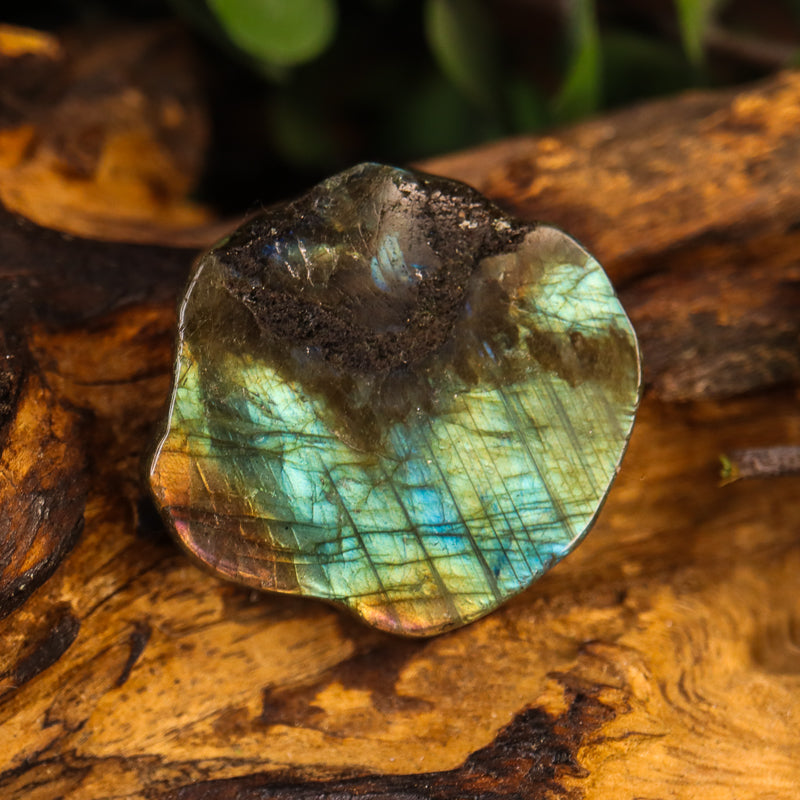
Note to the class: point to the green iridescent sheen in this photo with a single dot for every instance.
(392, 396)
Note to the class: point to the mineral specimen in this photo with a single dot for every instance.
(391, 395)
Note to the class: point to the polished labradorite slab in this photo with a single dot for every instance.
(390, 395)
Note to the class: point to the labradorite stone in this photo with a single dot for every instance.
(391, 395)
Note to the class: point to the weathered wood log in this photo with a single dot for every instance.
(102, 133)
(660, 659)
(80, 151)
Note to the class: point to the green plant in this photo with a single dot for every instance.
(397, 80)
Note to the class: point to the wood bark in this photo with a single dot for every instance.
(661, 659)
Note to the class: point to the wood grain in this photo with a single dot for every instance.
(102, 133)
(661, 659)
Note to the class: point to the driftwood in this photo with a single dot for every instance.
(661, 659)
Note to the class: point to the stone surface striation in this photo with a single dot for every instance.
(392, 396)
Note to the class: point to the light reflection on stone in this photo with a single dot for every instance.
(392, 396)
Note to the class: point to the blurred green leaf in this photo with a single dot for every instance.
(300, 132)
(694, 17)
(581, 89)
(461, 37)
(637, 66)
(431, 117)
(280, 33)
(527, 108)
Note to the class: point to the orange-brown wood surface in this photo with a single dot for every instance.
(660, 660)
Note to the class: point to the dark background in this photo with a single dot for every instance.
(402, 80)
